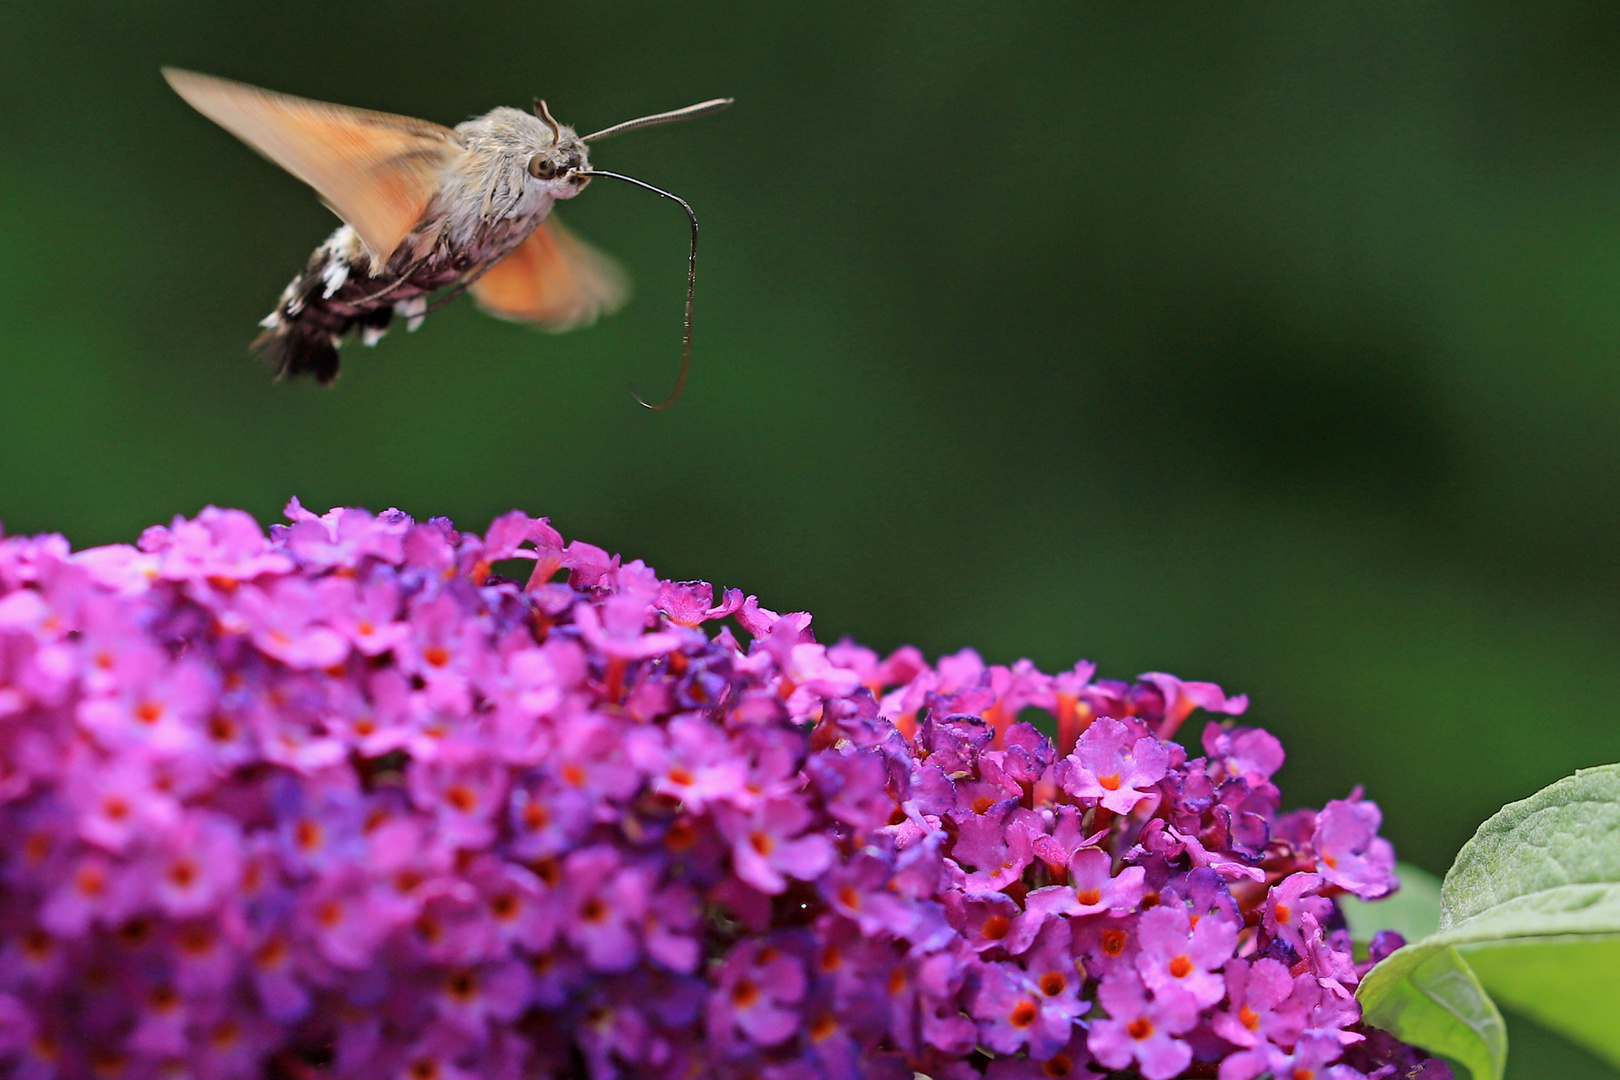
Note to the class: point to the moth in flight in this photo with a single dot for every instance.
(427, 208)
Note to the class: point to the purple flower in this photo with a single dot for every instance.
(340, 801)
(1250, 754)
(999, 844)
(1141, 1029)
(1259, 1007)
(756, 995)
(1181, 698)
(287, 623)
(1349, 851)
(1031, 1008)
(1070, 1062)
(766, 845)
(1310, 1058)
(1289, 903)
(1091, 890)
(691, 603)
(1113, 766)
(1180, 958)
(605, 902)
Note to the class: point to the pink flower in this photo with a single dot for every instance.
(1140, 1029)
(1349, 851)
(1009, 1008)
(1113, 767)
(758, 990)
(766, 845)
(1181, 698)
(1092, 889)
(1179, 958)
(286, 622)
(1259, 1007)
(1310, 1058)
(1070, 1062)
(1287, 904)
(691, 603)
(999, 844)
(226, 545)
(351, 794)
(606, 901)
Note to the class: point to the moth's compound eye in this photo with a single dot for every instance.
(541, 167)
(573, 161)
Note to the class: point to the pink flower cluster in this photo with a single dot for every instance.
(344, 802)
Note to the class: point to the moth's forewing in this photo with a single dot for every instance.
(377, 171)
(553, 280)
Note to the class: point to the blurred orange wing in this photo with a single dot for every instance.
(554, 280)
(377, 171)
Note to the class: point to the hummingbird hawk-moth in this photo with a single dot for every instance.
(427, 208)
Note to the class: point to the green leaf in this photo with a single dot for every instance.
(1530, 912)
(1566, 985)
(1413, 910)
(1434, 1000)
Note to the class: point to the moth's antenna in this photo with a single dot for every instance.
(550, 121)
(691, 276)
(699, 109)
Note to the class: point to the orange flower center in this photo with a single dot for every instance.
(1057, 1066)
(307, 834)
(534, 816)
(681, 836)
(744, 994)
(462, 986)
(90, 880)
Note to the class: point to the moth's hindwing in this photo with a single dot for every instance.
(553, 280)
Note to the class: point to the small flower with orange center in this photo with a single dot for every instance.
(1114, 763)
(756, 997)
(1141, 1029)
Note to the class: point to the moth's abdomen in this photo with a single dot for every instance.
(335, 295)
(305, 347)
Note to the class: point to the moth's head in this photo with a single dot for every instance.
(556, 160)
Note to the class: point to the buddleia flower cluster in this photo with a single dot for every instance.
(347, 801)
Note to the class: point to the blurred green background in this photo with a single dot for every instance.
(1273, 344)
